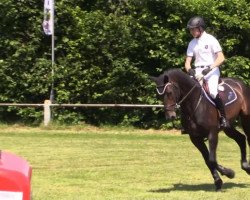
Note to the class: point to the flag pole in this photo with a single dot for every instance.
(52, 93)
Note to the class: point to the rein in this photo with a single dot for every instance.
(183, 99)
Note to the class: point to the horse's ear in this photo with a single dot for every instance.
(166, 79)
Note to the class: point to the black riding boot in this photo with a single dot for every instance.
(220, 106)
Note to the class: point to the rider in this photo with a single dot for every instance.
(208, 56)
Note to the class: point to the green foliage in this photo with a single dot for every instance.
(239, 67)
(105, 51)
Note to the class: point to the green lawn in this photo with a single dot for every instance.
(99, 164)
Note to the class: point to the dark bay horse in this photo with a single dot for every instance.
(200, 118)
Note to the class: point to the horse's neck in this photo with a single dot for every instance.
(189, 89)
(190, 94)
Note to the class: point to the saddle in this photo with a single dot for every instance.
(226, 92)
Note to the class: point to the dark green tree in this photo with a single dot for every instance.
(105, 52)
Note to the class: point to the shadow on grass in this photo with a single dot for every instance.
(199, 187)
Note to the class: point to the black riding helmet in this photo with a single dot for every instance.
(196, 22)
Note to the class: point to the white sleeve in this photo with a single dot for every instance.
(190, 50)
(216, 46)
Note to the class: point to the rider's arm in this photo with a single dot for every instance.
(219, 60)
(188, 63)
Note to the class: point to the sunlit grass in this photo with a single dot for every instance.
(94, 163)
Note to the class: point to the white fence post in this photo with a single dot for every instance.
(47, 112)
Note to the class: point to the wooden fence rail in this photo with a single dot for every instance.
(47, 107)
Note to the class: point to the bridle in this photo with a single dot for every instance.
(176, 105)
(164, 89)
(173, 106)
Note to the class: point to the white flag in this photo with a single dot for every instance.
(48, 21)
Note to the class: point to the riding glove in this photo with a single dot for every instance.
(206, 71)
(191, 72)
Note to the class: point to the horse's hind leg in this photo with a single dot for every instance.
(245, 121)
(240, 139)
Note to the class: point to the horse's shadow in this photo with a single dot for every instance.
(199, 187)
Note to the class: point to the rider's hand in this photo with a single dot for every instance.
(191, 72)
(199, 77)
(206, 71)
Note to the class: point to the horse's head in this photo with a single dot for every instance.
(170, 93)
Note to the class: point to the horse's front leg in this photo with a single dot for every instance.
(213, 142)
(212, 165)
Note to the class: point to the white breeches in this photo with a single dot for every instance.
(212, 79)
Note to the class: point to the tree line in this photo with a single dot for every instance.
(105, 52)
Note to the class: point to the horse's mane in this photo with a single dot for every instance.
(177, 74)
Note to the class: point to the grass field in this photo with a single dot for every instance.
(99, 164)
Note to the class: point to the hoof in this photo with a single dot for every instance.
(245, 166)
(230, 173)
(218, 185)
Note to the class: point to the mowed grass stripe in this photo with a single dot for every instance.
(121, 164)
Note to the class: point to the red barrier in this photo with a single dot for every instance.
(15, 177)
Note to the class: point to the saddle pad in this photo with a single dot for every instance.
(226, 92)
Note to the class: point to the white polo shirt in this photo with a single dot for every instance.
(203, 49)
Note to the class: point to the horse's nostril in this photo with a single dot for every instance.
(172, 117)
